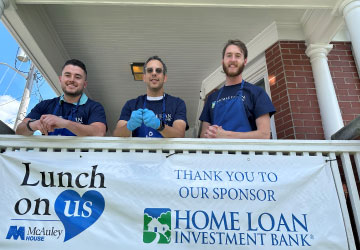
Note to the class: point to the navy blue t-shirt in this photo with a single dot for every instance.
(256, 103)
(86, 113)
(175, 109)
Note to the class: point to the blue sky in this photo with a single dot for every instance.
(12, 84)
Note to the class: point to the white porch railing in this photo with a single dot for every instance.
(344, 156)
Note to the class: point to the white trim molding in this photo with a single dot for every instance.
(274, 4)
(344, 3)
(27, 42)
(3, 5)
(321, 26)
(315, 51)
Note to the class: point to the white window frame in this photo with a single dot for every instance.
(255, 71)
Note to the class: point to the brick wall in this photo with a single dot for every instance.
(293, 92)
(346, 80)
(279, 93)
(293, 88)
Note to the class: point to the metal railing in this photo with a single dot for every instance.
(349, 132)
(344, 156)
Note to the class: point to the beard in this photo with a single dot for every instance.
(73, 94)
(239, 70)
(76, 94)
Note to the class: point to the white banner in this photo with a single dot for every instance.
(70, 200)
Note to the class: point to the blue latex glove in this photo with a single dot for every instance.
(136, 119)
(150, 119)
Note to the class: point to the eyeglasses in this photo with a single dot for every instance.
(157, 70)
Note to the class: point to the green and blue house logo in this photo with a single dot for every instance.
(157, 225)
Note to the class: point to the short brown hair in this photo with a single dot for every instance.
(158, 59)
(75, 62)
(238, 43)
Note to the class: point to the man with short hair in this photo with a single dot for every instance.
(239, 109)
(155, 114)
(71, 114)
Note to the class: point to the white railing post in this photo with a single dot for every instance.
(342, 199)
(351, 186)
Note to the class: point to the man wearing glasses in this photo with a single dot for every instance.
(155, 114)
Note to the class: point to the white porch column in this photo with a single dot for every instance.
(350, 9)
(325, 91)
(3, 5)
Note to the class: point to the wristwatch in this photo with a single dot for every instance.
(28, 125)
(161, 127)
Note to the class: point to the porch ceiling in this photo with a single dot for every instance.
(109, 35)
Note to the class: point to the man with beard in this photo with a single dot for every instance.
(155, 114)
(238, 110)
(71, 114)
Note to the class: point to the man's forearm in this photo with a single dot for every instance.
(170, 132)
(257, 134)
(94, 129)
(22, 128)
(176, 131)
(263, 130)
(121, 130)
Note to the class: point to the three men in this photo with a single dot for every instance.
(71, 114)
(239, 109)
(155, 114)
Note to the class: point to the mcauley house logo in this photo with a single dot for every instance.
(76, 212)
(157, 225)
(33, 233)
(16, 232)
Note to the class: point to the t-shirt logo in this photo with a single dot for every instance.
(79, 120)
(168, 117)
(213, 104)
(225, 99)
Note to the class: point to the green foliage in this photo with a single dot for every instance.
(165, 219)
(147, 220)
(168, 234)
